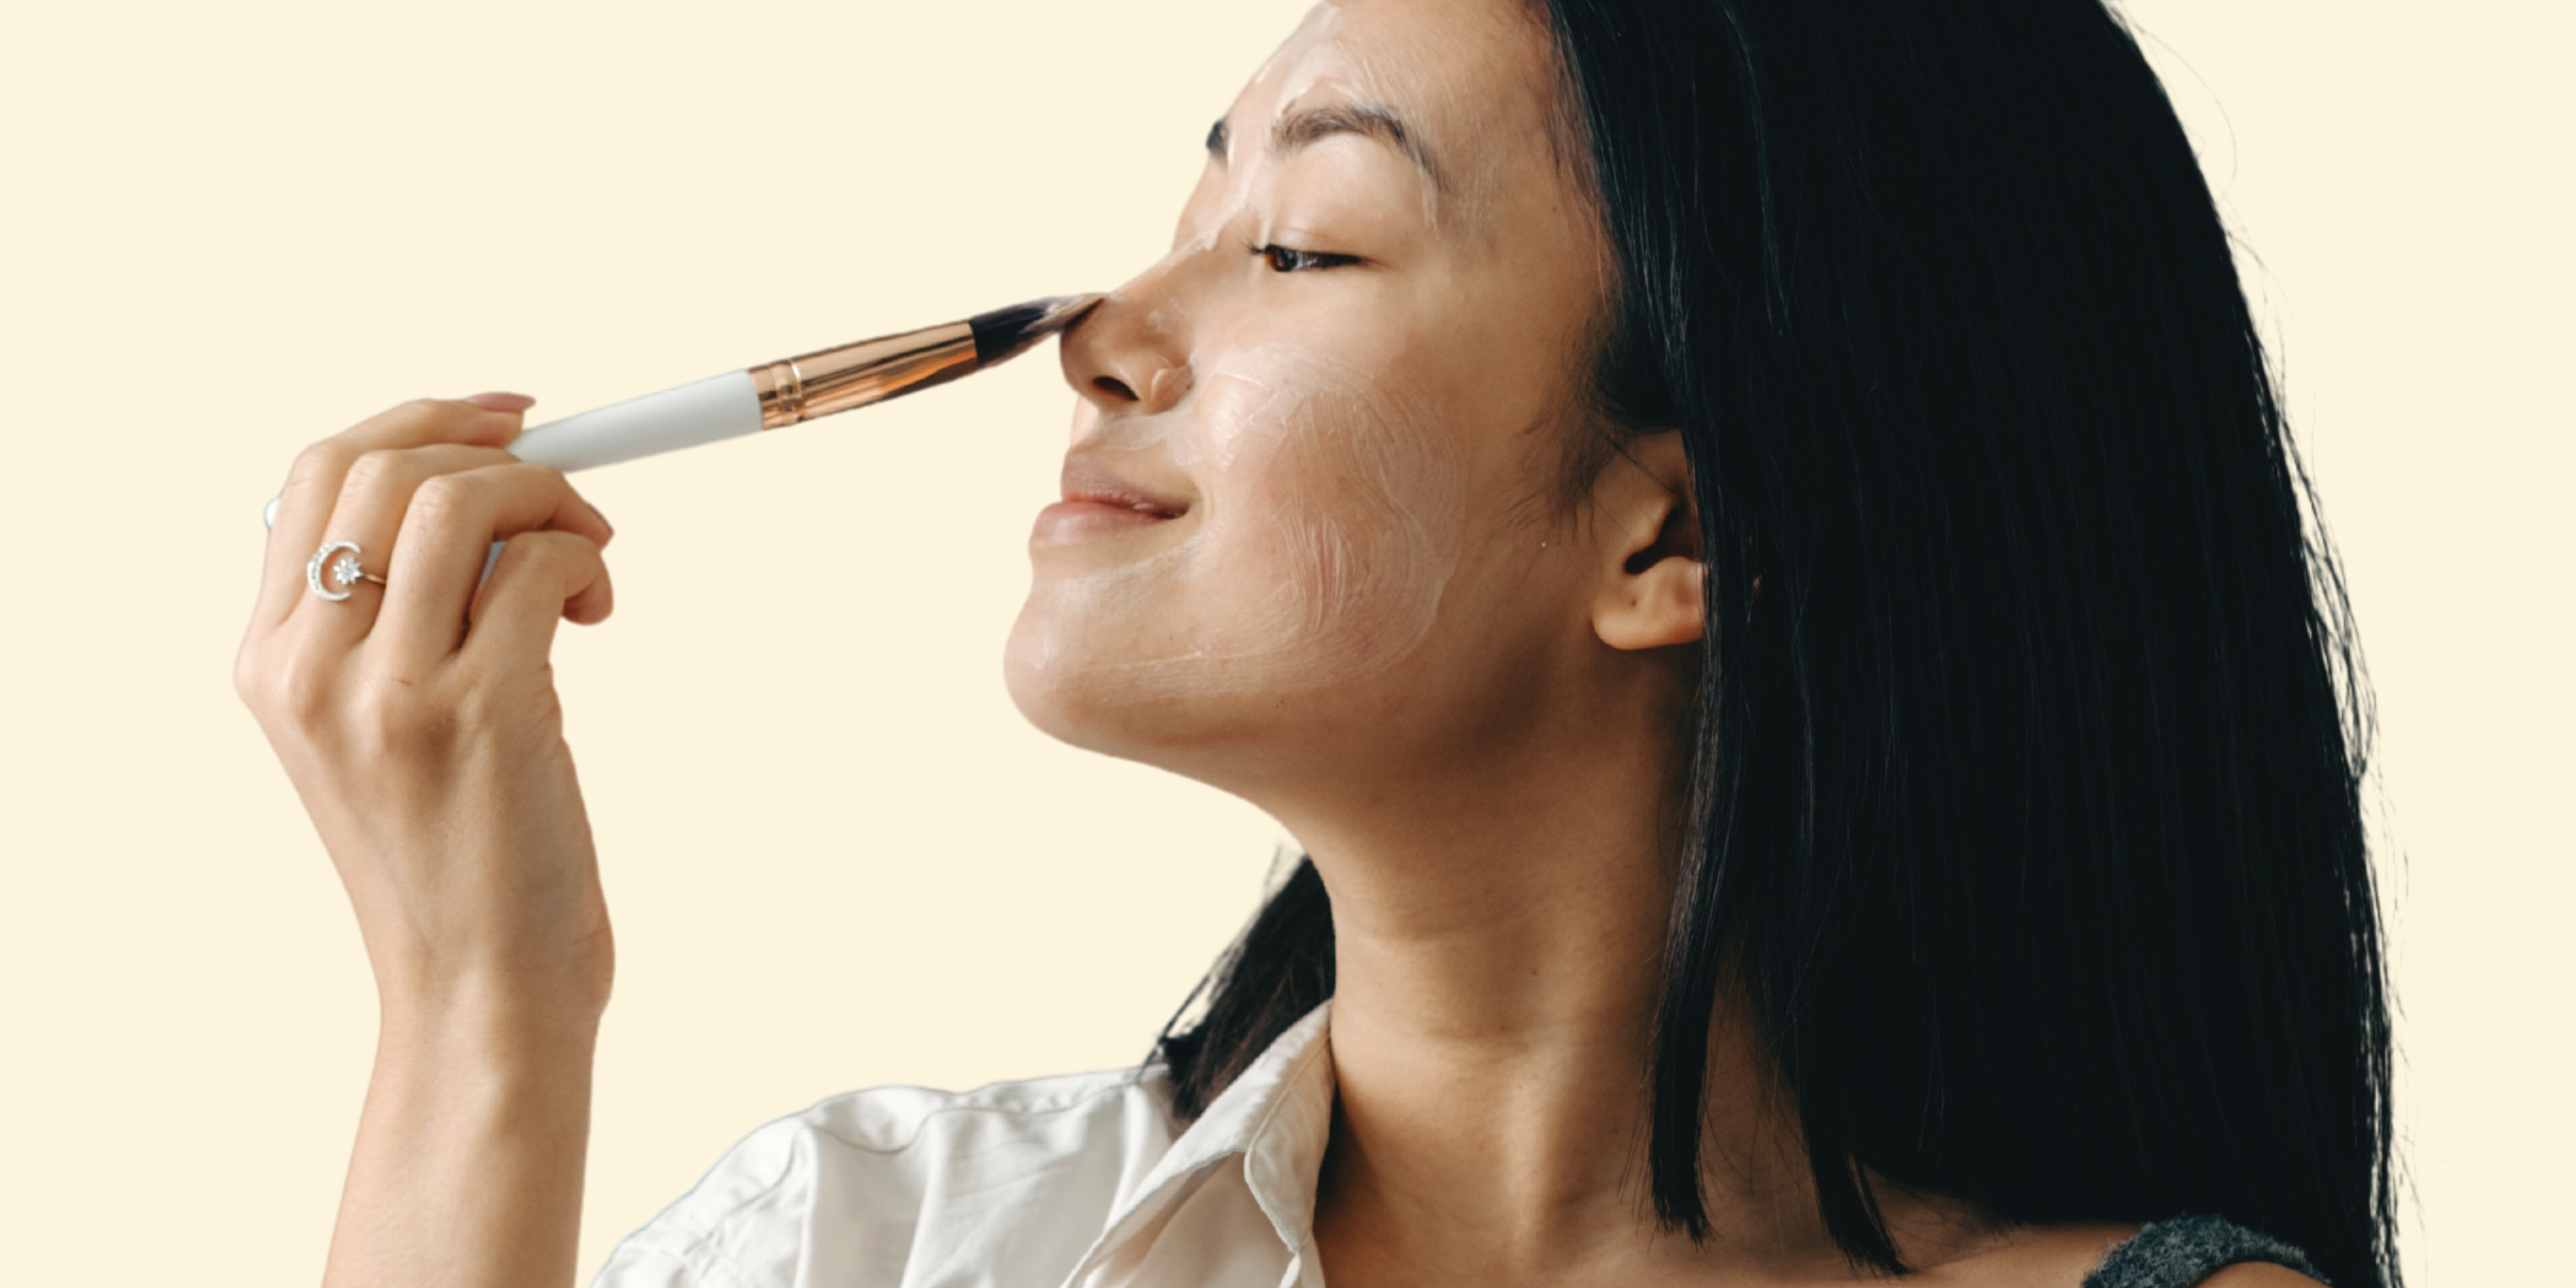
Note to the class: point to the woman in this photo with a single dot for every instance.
(1751, 543)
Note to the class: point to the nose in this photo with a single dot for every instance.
(1130, 355)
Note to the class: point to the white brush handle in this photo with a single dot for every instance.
(718, 407)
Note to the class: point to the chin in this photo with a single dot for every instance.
(1086, 701)
(1211, 727)
(1064, 712)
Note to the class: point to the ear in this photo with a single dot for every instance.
(1648, 530)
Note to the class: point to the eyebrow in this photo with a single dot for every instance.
(1293, 132)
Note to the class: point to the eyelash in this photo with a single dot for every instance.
(1315, 259)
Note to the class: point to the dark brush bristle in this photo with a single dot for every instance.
(1007, 332)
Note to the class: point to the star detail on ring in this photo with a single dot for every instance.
(344, 571)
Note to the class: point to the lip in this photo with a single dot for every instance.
(1099, 500)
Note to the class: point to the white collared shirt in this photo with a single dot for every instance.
(1067, 1182)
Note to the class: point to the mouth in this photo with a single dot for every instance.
(1099, 500)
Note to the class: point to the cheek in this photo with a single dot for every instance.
(1329, 525)
(1344, 499)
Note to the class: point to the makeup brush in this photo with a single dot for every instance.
(775, 395)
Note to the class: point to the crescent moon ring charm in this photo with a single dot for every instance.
(344, 571)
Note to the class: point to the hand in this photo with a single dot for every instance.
(418, 719)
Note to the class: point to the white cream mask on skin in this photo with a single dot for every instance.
(1329, 514)
(1327, 526)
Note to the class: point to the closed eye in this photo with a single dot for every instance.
(1287, 259)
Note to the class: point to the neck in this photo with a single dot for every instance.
(1498, 942)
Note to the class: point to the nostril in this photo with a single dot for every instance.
(1114, 387)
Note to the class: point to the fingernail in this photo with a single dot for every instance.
(603, 519)
(502, 402)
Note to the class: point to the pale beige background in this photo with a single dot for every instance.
(835, 854)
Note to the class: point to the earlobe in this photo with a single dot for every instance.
(1662, 606)
(1654, 594)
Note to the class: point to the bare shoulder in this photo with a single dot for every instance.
(2259, 1274)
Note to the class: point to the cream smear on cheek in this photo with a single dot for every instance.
(1328, 526)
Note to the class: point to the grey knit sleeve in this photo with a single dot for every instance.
(2185, 1250)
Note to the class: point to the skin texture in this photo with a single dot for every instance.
(1322, 567)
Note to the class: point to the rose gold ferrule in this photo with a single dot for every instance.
(854, 375)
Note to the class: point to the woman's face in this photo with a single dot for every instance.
(1307, 488)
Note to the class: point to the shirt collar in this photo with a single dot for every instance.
(1278, 1114)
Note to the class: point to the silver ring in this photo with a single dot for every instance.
(345, 572)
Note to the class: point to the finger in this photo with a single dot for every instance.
(501, 402)
(375, 492)
(305, 503)
(543, 578)
(446, 536)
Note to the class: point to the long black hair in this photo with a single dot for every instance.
(2026, 802)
